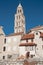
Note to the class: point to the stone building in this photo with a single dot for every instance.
(11, 48)
(19, 43)
(2, 42)
(19, 20)
(33, 42)
(12, 45)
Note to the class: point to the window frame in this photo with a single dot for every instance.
(4, 48)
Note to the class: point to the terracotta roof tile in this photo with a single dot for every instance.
(27, 36)
(28, 44)
(41, 34)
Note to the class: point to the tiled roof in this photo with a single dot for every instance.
(14, 34)
(41, 34)
(37, 28)
(27, 36)
(28, 44)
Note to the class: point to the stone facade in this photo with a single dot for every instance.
(2, 42)
(36, 49)
(12, 45)
(19, 20)
(16, 45)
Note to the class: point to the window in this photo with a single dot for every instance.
(36, 33)
(32, 40)
(40, 32)
(26, 40)
(5, 40)
(23, 22)
(31, 48)
(3, 57)
(4, 48)
(20, 10)
(9, 56)
(42, 39)
(27, 54)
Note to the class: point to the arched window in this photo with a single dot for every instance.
(20, 10)
(27, 54)
(36, 33)
(4, 48)
(5, 40)
(3, 57)
(27, 40)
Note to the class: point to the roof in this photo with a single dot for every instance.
(15, 34)
(28, 44)
(27, 36)
(41, 34)
(37, 28)
(19, 5)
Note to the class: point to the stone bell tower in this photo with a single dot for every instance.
(19, 20)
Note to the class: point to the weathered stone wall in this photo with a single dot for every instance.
(11, 62)
(21, 62)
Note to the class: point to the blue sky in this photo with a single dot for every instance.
(33, 11)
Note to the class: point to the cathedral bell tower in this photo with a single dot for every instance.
(19, 20)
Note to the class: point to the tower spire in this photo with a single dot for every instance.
(19, 5)
(19, 20)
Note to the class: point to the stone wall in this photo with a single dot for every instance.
(21, 62)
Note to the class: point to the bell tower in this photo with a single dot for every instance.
(19, 20)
